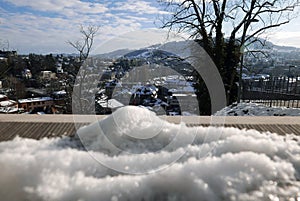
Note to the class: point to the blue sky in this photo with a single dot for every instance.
(44, 26)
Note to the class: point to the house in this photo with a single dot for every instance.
(26, 73)
(31, 104)
(3, 59)
(3, 97)
(8, 103)
(59, 94)
(8, 106)
(107, 106)
(48, 75)
(59, 68)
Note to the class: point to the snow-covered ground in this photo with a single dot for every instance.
(218, 164)
(253, 109)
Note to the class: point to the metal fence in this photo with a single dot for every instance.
(273, 91)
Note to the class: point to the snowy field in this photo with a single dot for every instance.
(253, 109)
(218, 164)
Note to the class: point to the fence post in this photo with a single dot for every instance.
(272, 82)
(288, 91)
(296, 91)
(275, 91)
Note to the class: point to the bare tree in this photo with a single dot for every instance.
(4, 45)
(83, 47)
(224, 28)
(4, 68)
(5, 63)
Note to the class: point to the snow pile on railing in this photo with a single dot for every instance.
(236, 165)
(254, 109)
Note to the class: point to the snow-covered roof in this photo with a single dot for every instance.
(111, 103)
(146, 90)
(7, 103)
(63, 92)
(38, 99)
(2, 96)
(101, 91)
(8, 110)
(184, 95)
(189, 89)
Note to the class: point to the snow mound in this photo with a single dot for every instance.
(253, 109)
(237, 165)
(134, 130)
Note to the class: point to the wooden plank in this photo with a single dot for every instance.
(40, 129)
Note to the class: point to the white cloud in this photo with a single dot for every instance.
(48, 24)
(136, 39)
(59, 20)
(141, 7)
(28, 33)
(284, 37)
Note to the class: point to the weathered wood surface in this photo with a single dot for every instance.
(41, 126)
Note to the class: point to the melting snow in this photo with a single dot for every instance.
(253, 109)
(220, 163)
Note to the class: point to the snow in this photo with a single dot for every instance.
(9, 109)
(111, 103)
(217, 164)
(7, 103)
(189, 89)
(253, 109)
(2, 96)
(63, 92)
(37, 99)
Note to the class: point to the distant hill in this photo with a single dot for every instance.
(144, 52)
(148, 53)
(263, 44)
(286, 48)
(114, 55)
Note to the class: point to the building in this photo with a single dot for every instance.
(3, 97)
(3, 59)
(31, 104)
(26, 73)
(7, 54)
(8, 106)
(59, 68)
(48, 75)
(8, 103)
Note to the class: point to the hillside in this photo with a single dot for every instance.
(262, 44)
